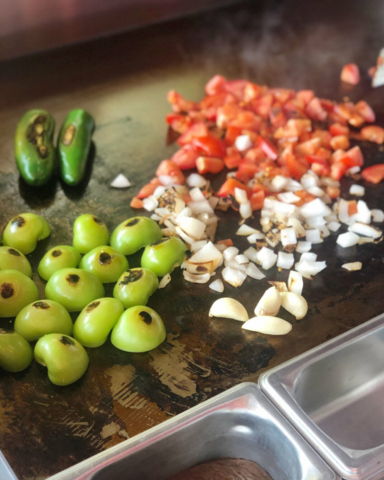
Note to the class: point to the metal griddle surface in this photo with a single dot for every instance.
(123, 82)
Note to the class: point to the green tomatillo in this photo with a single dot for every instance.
(164, 255)
(89, 232)
(105, 263)
(64, 357)
(16, 291)
(15, 352)
(24, 231)
(135, 286)
(95, 322)
(135, 233)
(62, 256)
(12, 259)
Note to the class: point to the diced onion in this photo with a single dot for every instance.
(315, 208)
(192, 227)
(347, 239)
(166, 180)
(241, 195)
(246, 230)
(365, 230)
(295, 282)
(240, 259)
(309, 256)
(314, 236)
(246, 209)
(285, 260)
(310, 268)
(303, 247)
(233, 277)
(150, 203)
(315, 222)
(196, 246)
(363, 213)
(190, 277)
(196, 180)
(121, 181)
(308, 181)
(254, 272)
(352, 267)
(160, 190)
(235, 265)
(165, 280)
(364, 240)
(266, 258)
(288, 197)
(255, 236)
(278, 183)
(250, 253)
(357, 190)
(288, 237)
(208, 258)
(197, 195)
(334, 226)
(297, 226)
(377, 215)
(217, 286)
(230, 253)
(316, 191)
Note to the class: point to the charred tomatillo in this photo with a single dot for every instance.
(24, 231)
(16, 291)
(89, 232)
(105, 263)
(96, 320)
(62, 256)
(139, 329)
(135, 233)
(73, 288)
(164, 255)
(15, 352)
(42, 317)
(135, 286)
(64, 357)
(12, 259)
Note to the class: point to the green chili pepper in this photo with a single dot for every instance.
(42, 317)
(89, 232)
(64, 357)
(164, 255)
(135, 286)
(16, 291)
(15, 352)
(24, 231)
(34, 150)
(74, 144)
(139, 329)
(12, 259)
(105, 263)
(62, 256)
(94, 323)
(135, 233)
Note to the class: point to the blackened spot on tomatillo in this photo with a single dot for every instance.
(42, 305)
(56, 253)
(14, 252)
(147, 318)
(92, 306)
(18, 221)
(66, 341)
(72, 279)
(160, 241)
(132, 222)
(201, 268)
(98, 221)
(133, 276)
(105, 258)
(7, 290)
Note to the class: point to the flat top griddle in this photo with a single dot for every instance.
(123, 82)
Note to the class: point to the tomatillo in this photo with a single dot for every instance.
(16, 291)
(89, 232)
(24, 231)
(41, 318)
(12, 259)
(135, 233)
(73, 288)
(135, 286)
(62, 256)
(15, 352)
(64, 357)
(94, 323)
(139, 329)
(164, 255)
(105, 263)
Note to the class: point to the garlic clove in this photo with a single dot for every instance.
(294, 304)
(268, 325)
(228, 308)
(269, 303)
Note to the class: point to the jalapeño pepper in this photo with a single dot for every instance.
(34, 150)
(74, 144)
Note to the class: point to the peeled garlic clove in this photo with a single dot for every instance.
(295, 304)
(268, 325)
(229, 308)
(269, 303)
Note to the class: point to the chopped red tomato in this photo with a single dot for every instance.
(308, 148)
(246, 120)
(338, 129)
(210, 146)
(356, 120)
(373, 133)
(355, 157)
(226, 114)
(169, 168)
(305, 95)
(333, 192)
(374, 174)
(136, 203)
(324, 136)
(256, 187)
(365, 110)
(342, 110)
(196, 130)
(297, 167)
(251, 91)
(304, 196)
(178, 122)
(231, 134)
(232, 161)
(323, 153)
(228, 242)
(255, 155)
(215, 85)
(315, 110)
(338, 169)
(209, 165)
(237, 88)
(268, 148)
(350, 74)
(262, 105)
(315, 159)
(277, 117)
(228, 187)
(247, 170)
(149, 188)
(186, 157)
(178, 102)
(257, 200)
(321, 169)
(339, 142)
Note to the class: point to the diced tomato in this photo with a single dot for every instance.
(178, 102)
(356, 120)
(209, 165)
(231, 134)
(333, 192)
(246, 171)
(268, 148)
(340, 142)
(334, 117)
(282, 95)
(196, 116)
(136, 203)
(321, 169)
(149, 188)
(350, 74)
(373, 133)
(226, 114)
(228, 242)
(210, 146)
(355, 157)
(236, 87)
(315, 110)
(308, 148)
(338, 169)
(323, 153)
(197, 130)
(215, 85)
(337, 156)
(262, 105)
(325, 137)
(304, 196)
(209, 105)
(257, 200)
(228, 188)
(315, 159)
(352, 207)
(342, 110)
(255, 155)
(295, 127)
(297, 167)
(178, 122)
(366, 111)
(372, 71)
(169, 168)
(305, 95)
(186, 157)
(328, 105)
(338, 129)
(277, 117)
(232, 161)
(374, 174)
(246, 120)
(257, 187)
(251, 91)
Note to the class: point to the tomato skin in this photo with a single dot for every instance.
(338, 129)
(372, 133)
(178, 122)
(228, 242)
(309, 147)
(257, 200)
(321, 170)
(179, 103)
(149, 188)
(186, 157)
(305, 95)
(324, 136)
(231, 134)
(352, 207)
(226, 114)
(311, 159)
(209, 146)
(338, 169)
(136, 203)
(197, 130)
(350, 73)
(215, 85)
(355, 157)
(246, 171)
(315, 110)
(251, 91)
(262, 105)
(374, 174)
(339, 142)
(228, 188)
(209, 165)
(268, 148)
(365, 111)
(296, 167)
(169, 168)
(232, 161)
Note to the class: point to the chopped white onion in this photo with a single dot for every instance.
(208, 258)
(192, 227)
(155, 217)
(255, 236)
(254, 272)
(329, 182)
(197, 195)
(377, 215)
(363, 214)
(243, 143)
(196, 246)
(240, 259)
(150, 203)
(165, 280)
(230, 253)
(200, 207)
(347, 239)
(187, 239)
(196, 180)
(365, 230)
(246, 209)
(288, 197)
(297, 226)
(166, 180)
(310, 268)
(285, 260)
(293, 185)
(191, 277)
(160, 190)
(334, 226)
(315, 222)
(352, 267)
(241, 195)
(250, 253)
(235, 265)
(353, 170)
(364, 240)
(316, 191)
(309, 256)
(303, 247)
(288, 237)
(315, 208)
(295, 282)
(121, 181)
(217, 286)
(246, 230)
(233, 277)
(213, 201)
(308, 181)
(278, 183)
(357, 190)
(313, 236)
(324, 231)
(266, 258)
